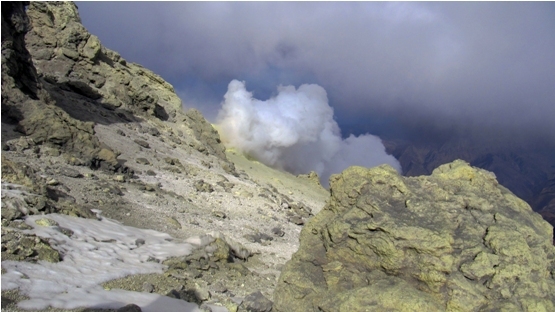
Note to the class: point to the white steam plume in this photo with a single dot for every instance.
(295, 131)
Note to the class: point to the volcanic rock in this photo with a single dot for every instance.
(72, 111)
(58, 82)
(452, 241)
(255, 302)
(525, 168)
(312, 176)
(25, 100)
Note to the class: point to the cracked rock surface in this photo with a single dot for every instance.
(452, 241)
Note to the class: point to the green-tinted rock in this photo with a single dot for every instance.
(452, 241)
(92, 48)
(47, 253)
(46, 222)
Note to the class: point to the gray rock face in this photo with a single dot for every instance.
(27, 103)
(69, 57)
(452, 241)
(58, 82)
(255, 302)
(206, 135)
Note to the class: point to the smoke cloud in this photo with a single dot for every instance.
(470, 66)
(295, 131)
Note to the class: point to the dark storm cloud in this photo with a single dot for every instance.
(467, 64)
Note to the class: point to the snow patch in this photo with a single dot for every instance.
(98, 251)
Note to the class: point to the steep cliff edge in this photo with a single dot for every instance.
(452, 241)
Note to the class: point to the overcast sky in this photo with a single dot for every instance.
(387, 67)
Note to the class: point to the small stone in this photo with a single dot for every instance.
(72, 173)
(148, 287)
(92, 48)
(142, 161)
(219, 214)
(202, 186)
(130, 308)
(139, 242)
(296, 220)
(256, 302)
(172, 161)
(244, 194)
(172, 169)
(202, 293)
(70, 53)
(46, 222)
(142, 143)
(152, 259)
(120, 132)
(153, 132)
(119, 178)
(219, 288)
(65, 231)
(150, 173)
(107, 156)
(53, 182)
(173, 222)
(90, 176)
(278, 231)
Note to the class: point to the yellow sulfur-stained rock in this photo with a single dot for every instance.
(452, 241)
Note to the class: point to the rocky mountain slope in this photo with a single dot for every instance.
(113, 198)
(84, 131)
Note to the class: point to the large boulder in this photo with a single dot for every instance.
(452, 241)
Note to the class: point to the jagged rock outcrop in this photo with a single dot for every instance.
(58, 82)
(312, 177)
(25, 101)
(67, 56)
(522, 167)
(205, 134)
(452, 241)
